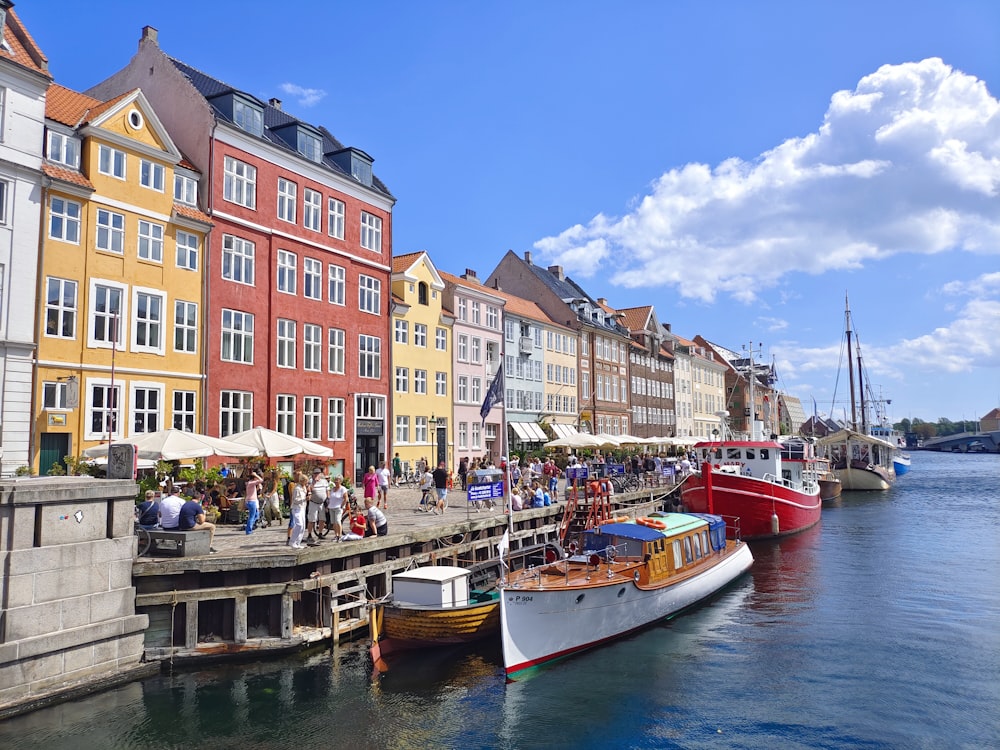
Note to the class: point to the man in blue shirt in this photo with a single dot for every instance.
(192, 518)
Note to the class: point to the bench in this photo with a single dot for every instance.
(174, 543)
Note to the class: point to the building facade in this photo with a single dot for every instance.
(299, 262)
(24, 79)
(652, 374)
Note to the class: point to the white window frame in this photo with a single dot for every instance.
(185, 327)
(58, 310)
(284, 411)
(238, 335)
(286, 345)
(440, 384)
(152, 175)
(288, 192)
(238, 258)
(105, 386)
(312, 275)
(111, 162)
(149, 245)
(240, 183)
(335, 212)
(109, 231)
(153, 324)
(188, 247)
(463, 347)
(336, 348)
(441, 339)
(402, 382)
(369, 357)
(312, 209)
(371, 232)
(63, 149)
(288, 270)
(420, 335)
(312, 347)
(336, 284)
(401, 332)
(312, 418)
(335, 418)
(64, 220)
(369, 294)
(402, 428)
(420, 382)
(154, 413)
(420, 434)
(184, 415)
(185, 189)
(462, 393)
(235, 412)
(104, 342)
(55, 395)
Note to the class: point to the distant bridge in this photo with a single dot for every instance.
(966, 442)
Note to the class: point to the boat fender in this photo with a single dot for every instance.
(774, 523)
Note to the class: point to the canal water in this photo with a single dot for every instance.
(880, 628)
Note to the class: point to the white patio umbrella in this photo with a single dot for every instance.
(579, 440)
(176, 445)
(605, 440)
(272, 443)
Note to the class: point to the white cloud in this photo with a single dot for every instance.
(907, 162)
(305, 97)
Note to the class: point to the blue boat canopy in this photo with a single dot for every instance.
(620, 530)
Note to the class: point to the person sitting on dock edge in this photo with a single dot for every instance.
(377, 524)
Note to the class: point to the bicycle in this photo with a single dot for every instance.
(144, 540)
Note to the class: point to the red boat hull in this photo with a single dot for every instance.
(754, 502)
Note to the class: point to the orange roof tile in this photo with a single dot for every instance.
(23, 49)
(189, 212)
(636, 317)
(401, 263)
(67, 106)
(66, 175)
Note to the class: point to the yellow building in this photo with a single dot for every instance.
(120, 345)
(421, 375)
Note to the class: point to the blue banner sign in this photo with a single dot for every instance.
(577, 472)
(488, 491)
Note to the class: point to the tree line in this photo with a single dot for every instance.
(941, 428)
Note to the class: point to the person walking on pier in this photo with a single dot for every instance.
(382, 473)
(319, 490)
(336, 503)
(298, 504)
(253, 504)
(370, 483)
(441, 486)
(397, 470)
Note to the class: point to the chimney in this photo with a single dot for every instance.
(149, 33)
(276, 103)
(602, 300)
(470, 275)
(557, 271)
(527, 257)
(496, 285)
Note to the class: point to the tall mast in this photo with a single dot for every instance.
(850, 362)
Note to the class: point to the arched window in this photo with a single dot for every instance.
(422, 293)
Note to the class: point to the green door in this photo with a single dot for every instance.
(53, 449)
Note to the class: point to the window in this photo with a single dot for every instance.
(337, 281)
(492, 317)
(336, 350)
(286, 413)
(476, 313)
(111, 161)
(402, 429)
(106, 306)
(463, 348)
(335, 418)
(187, 250)
(420, 381)
(287, 271)
(402, 380)
(240, 183)
(110, 231)
(420, 429)
(422, 297)
(463, 434)
(371, 232)
(463, 309)
(312, 205)
(60, 308)
(441, 339)
(151, 175)
(185, 327)
(402, 332)
(463, 389)
(54, 395)
(312, 347)
(237, 337)
(146, 409)
(147, 326)
(312, 273)
(477, 390)
(309, 146)
(248, 117)
(235, 412)
(183, 413)
(185, 189)
(476, 440)
(420, 335)
(477, 350)
(102, 411)
(150, 241)
(237, 259)
(286, 342)
(287, 190)
(312, 418)
(64, 149)
(369, 357)
(441, 384)
(369, 294)
(335, 218)
(64, 220)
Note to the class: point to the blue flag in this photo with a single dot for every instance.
(494, 395)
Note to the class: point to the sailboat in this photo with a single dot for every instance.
(861, 460)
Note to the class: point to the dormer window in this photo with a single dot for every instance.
(361, 171)
(64, 149)
(356, 163)
(248, 117)
(310, 146)
(422, 293)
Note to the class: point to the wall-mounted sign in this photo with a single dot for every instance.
(57, 420)
(369, 427)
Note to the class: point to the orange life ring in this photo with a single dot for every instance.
(620, 519)
(653, 523)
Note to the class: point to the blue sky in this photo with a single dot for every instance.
(740, 166)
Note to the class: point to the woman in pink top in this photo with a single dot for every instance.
(370, 482)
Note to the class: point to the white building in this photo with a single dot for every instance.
(24, 79)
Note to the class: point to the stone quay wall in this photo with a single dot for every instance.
(67, 604)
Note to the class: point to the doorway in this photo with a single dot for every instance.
(367, 455)
(53, 449)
